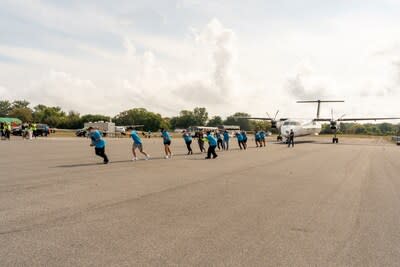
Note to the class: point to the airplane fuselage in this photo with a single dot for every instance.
(300, 127)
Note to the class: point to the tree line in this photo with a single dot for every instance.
(57, 118)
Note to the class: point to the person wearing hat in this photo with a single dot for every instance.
(98, 143)
(212, 144)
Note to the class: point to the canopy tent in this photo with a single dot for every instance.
(13, 121)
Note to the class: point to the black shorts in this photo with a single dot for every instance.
(167, 143)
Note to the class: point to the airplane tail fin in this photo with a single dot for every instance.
(319, 103)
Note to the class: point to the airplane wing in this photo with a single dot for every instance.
(368, 119)
(255, 118)
(322, 119)
(359, 119)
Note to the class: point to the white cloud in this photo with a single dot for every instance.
(100, 59)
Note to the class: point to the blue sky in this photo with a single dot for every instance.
(254, 56)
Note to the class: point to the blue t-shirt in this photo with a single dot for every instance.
(262, 134)
(244, 136)
(211, 140)
(166, 136)
(226, 136)
(258, 136)
(187, 137)
(97, 140)
(135, 137)
(239, 137)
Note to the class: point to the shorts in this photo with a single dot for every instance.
(167, 142)
(139, 146)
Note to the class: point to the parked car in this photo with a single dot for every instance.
(41, 130)
(120, 129)
(16, 131)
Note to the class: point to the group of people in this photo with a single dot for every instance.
(219, 139)
(29, 130)
(5, 130)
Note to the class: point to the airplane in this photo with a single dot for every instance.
(303, 127)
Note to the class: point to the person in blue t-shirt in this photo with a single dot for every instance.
(244, 141)
(239, 138)
(188, 141)
(220, 141)
(212, 144)
(262, 136)
(226, 139)
(137, 144)
(98, 143)
(167, 142)
(257, 138)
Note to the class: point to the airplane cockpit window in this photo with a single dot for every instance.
(294, 123)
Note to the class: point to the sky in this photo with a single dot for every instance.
(256, 56)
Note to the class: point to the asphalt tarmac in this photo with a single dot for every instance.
(317, 204)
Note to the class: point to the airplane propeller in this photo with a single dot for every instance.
(273, 120)
(333, 122)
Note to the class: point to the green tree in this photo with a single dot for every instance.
(215, 121)
(200, 115)
(53, 116)
(237, 119)
(24, 114)
(71, 121)
(256, 125)
(93, 118)
(140, 116)
(185, 119)
(20, 104)
(5, 108)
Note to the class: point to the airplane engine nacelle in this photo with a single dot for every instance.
(333, 125)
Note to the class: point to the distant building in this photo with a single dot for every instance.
(202, 128)
(104, 126)
(229, 127)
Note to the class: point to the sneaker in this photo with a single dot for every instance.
(147, 157)
(166, 157)
(215, 157)
(134, 159)
(105, 161)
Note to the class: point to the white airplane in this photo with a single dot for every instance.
(302, 127)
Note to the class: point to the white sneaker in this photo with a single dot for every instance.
(147, 157)
(134, 159)
(166, 157)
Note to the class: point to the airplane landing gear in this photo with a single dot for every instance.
(335, 140)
